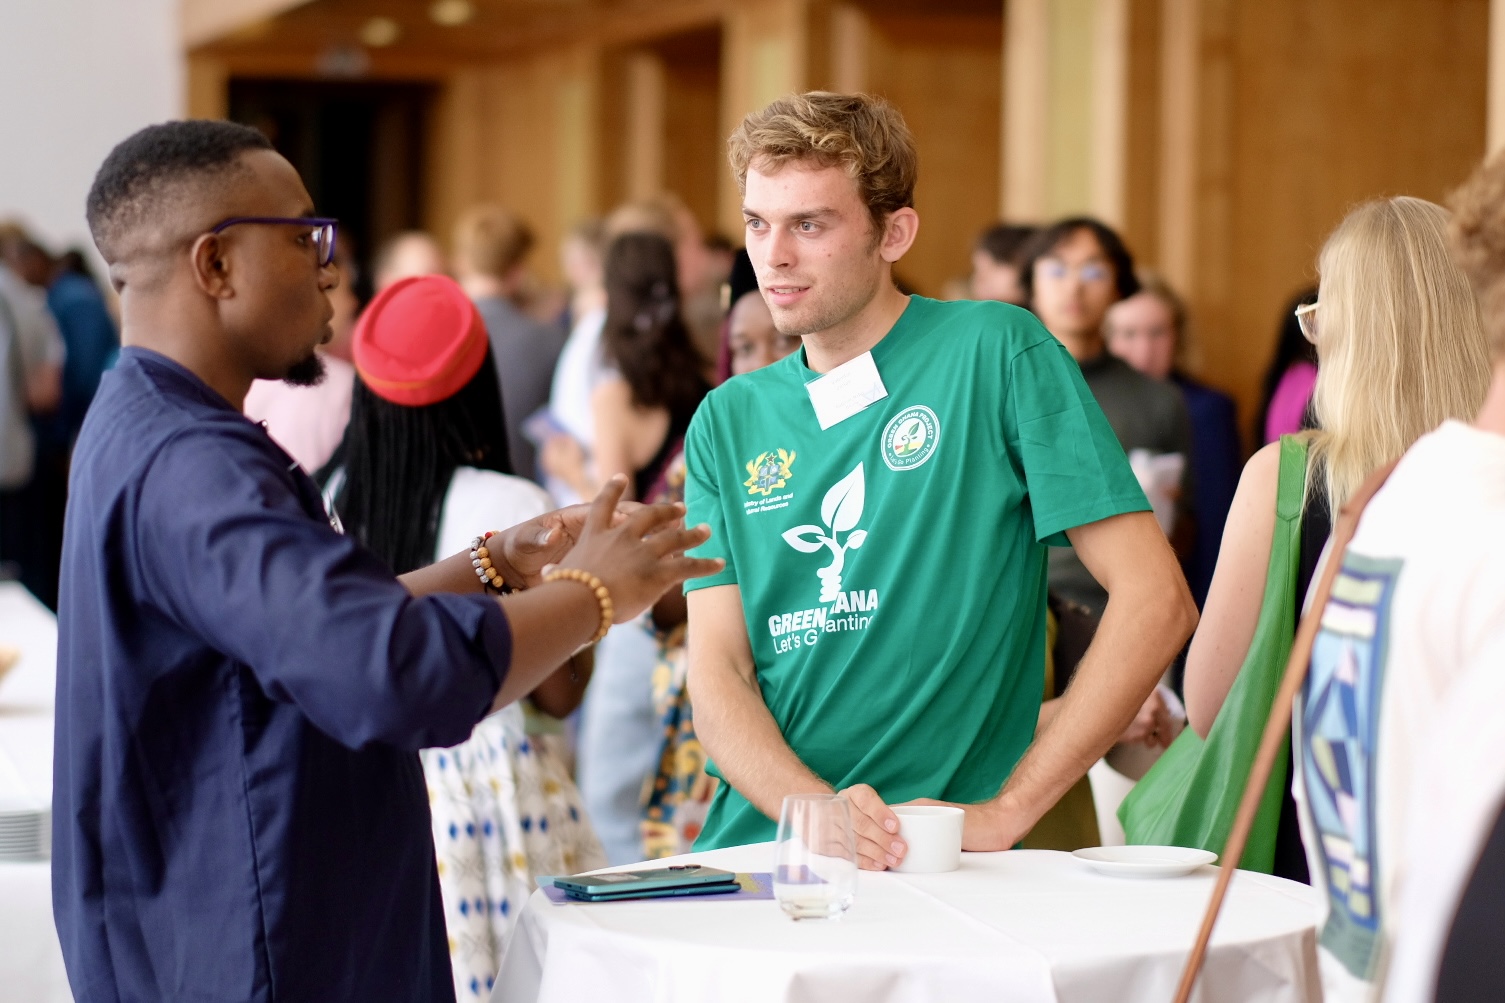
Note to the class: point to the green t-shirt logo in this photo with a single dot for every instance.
(770, 472)
(841, 511)
(910, 438)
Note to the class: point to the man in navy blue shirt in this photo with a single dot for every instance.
(239, 813)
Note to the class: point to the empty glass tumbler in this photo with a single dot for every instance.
(815, 870)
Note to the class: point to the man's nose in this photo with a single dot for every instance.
(780, 249)
(329, 277)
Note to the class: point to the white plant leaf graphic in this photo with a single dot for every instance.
(855, 539)
(796, 538)
(841, 509)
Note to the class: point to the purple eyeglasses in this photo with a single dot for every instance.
(322, 228)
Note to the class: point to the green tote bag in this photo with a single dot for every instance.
(1190, 796)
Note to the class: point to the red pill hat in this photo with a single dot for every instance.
(419, 341)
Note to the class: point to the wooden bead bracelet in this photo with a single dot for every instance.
(600, 591)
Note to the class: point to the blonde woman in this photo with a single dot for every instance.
(1401, 349)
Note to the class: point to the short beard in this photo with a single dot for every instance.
(308, 373)
(830, 316)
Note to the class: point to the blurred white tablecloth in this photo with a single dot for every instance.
(1022, 926)
(31, 963)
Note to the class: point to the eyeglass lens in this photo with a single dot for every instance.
(1306, 317)
(324, 237)
(1090, 272)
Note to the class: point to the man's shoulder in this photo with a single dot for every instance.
(139, 412)
(766, 387)
(1012, 327)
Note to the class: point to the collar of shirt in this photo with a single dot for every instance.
(187, 381)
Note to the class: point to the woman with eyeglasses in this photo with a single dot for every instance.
(1400, 350)
(1072, 272)
(423, 468)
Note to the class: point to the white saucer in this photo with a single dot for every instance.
(1145, 861)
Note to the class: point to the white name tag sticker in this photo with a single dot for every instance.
(849, 388)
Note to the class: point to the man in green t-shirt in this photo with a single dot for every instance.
(883, 500)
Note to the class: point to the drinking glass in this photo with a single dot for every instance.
(815, 870)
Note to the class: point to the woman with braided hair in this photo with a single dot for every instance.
(423, 467)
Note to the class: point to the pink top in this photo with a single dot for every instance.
(1289, 401)
(308, 422)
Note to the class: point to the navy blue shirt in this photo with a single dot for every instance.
(238, 808)
(1217, 459)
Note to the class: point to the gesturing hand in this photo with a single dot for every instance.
(529, 547)
(640, 556)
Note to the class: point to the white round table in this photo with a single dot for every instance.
(31, 962)
(1021, 926)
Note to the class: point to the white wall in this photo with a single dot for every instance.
(76, 77)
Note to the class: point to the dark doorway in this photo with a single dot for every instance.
(358, 146)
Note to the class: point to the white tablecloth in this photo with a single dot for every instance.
(1022, 926)
(31, 963)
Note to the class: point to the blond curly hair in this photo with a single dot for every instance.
(863, 135)
(1477, 236)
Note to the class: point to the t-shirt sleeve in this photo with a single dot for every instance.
(703, 498)
(1074, 470)
(225, 549)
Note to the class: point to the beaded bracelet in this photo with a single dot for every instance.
(602, 594)
(480, 559)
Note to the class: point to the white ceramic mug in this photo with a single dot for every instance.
(933, 834)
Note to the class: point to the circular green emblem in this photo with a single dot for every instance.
(910, 437)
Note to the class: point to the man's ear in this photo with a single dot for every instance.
(211, 266)
(899, 232)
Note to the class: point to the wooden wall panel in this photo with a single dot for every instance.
(1141, 142)
(694, 143)
(523, 134)
(1333, 104)
(765, 55)
(942, 72)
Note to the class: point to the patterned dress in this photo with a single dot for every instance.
(679, 793)
(504, 810)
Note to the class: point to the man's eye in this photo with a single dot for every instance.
(754, 224)
(807, 227)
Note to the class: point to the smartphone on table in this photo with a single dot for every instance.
(661, 882)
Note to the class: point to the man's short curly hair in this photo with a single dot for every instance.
(1477, 233)
(134, 177)
(863, 135)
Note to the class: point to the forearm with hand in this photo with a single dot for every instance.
(1149, 616)
(636, 555)
(739, 733)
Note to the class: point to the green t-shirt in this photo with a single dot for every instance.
(892, 567)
